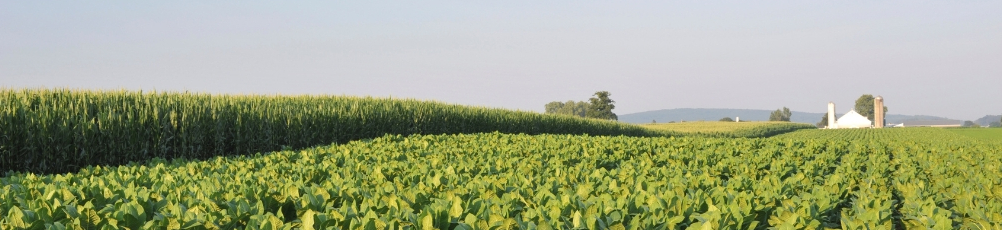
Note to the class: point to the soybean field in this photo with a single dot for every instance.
(989, 134)
(485, 181)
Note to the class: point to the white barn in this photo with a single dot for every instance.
(852, 119)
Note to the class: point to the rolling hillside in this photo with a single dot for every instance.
(988, 119)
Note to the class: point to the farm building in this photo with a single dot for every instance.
(852, 119)
(849, 120)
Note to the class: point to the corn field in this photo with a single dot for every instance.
(62, 130)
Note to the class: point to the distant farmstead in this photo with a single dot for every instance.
(854, 120)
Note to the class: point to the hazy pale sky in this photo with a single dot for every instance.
(939, 58)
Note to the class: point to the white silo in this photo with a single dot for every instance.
(831, 116)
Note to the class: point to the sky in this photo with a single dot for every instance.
(941, 58)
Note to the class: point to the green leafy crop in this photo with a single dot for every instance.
(494, 180)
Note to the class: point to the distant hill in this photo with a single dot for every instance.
(988, 119)
(694, 114)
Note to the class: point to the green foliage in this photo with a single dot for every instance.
(996, 124)
(971, 124)
(60, 130)
(601, 106)
(726, 119)
(808, 179)
(864, 106)
(905, 178)
(571, 108)
(783, 114)
(480, 181)
(553, 107)
(922, 177)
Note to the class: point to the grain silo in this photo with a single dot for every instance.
(831, 115)
(878, 112)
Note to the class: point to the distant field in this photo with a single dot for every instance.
(732, 129)
(709, 126)
(980, 133)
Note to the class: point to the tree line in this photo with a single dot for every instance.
(600, 106)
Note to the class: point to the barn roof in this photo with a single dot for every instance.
(852, 119)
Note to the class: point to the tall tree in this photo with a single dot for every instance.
(601, 106)
(864, 106)
(783, 114)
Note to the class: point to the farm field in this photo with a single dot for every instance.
(404, 164)
(500, 115)
(61, 130)
(853, 179)
(991, 134)
(709, 126)
(729, 129)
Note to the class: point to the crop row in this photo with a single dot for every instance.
(490, 181)
(937, 179)
(61, 130)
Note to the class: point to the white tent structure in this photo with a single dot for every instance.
(852, 119)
